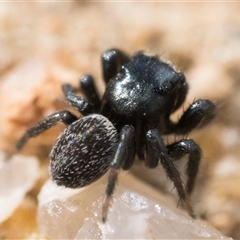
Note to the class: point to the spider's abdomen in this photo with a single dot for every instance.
(82, 153)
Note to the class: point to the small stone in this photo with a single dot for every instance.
(17, 176)
(137, 212)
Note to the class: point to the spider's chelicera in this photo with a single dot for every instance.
(129, 120)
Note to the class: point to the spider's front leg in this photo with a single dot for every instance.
(123, 158)
(199, 113)
(179, 149)
(158, 152)
(62, 116)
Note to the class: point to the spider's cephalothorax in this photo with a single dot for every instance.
(130, 119)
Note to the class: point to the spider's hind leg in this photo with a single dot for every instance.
(62, 116)
(90, 91)
(81, 104)
(112, 60)
(84, 106)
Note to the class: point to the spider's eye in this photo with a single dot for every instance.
(170, 85)
(165, 88)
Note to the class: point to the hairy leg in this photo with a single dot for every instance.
(63, 116)
(179, 149)
(155, 141)
(122, 155)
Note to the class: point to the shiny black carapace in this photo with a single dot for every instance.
(128, 121)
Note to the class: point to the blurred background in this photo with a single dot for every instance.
(44, 44)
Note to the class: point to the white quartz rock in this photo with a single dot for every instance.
(17, 176)
(138, 212)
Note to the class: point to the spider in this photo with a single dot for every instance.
(129, 120)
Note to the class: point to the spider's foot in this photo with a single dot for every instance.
(189, 209)
(105, 208)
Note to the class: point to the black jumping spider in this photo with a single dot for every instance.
(141, 94)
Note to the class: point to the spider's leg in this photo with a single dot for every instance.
(123, 157)
(199, 113)
(187, 146)
(158, 148)
(89, 89)
(62, 116)
(152, 158)
(82, 105)
(112, 60)
(140, 133)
